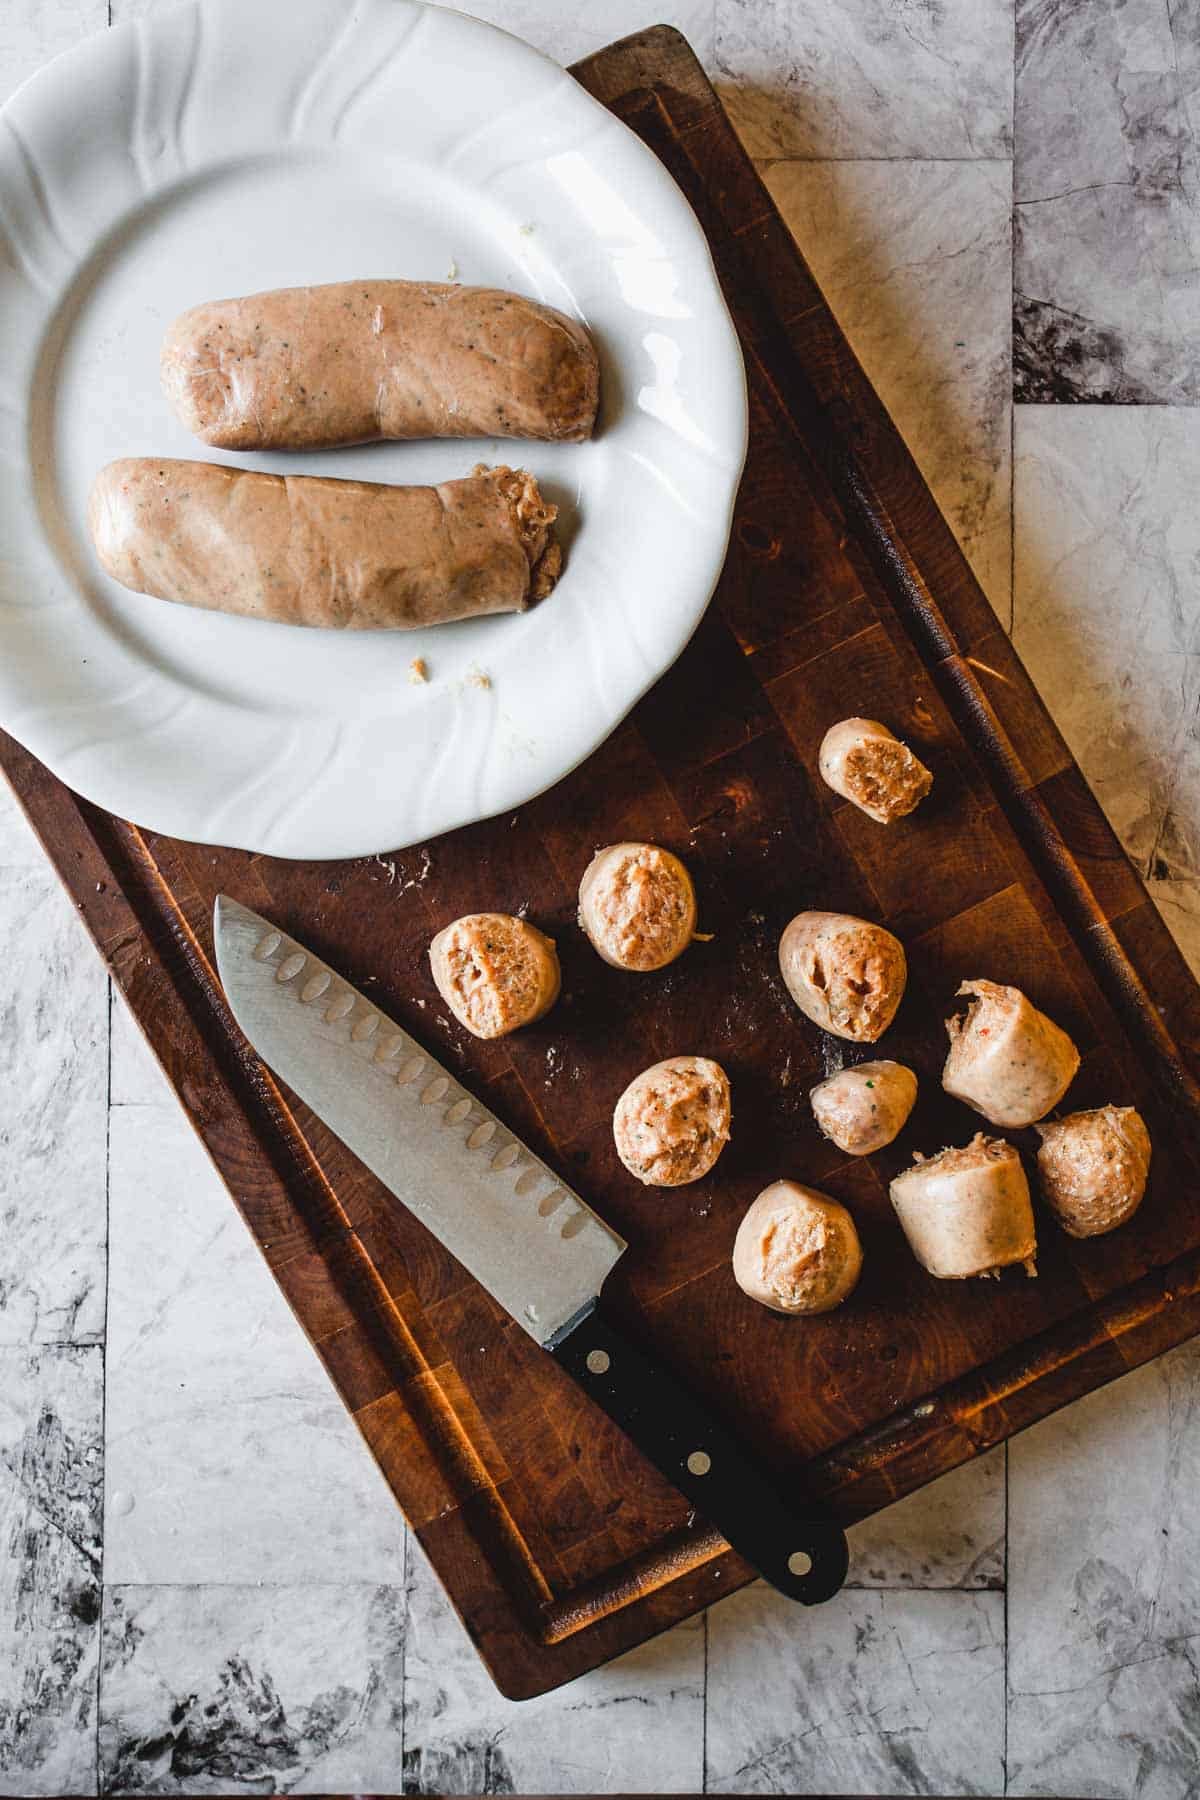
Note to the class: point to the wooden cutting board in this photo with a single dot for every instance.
(844, 591)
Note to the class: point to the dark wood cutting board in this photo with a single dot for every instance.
(844, 591)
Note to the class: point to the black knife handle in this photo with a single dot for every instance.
(792, 1546)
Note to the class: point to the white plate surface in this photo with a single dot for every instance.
(234, 145)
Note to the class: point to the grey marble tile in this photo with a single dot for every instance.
(135, 1078)
(570, 29)
(563, 29)
(1176, 894)
(53, 1089)
(35, 30)
(1107, 184)
(1104, 1601)
(230, 1456)
(633, 1727)
(250, 1690)
(51, 1471)
(868, 78)
(915, 260)
(872, 1693)
(1107, 553)
(19, 848)
(947, 1535)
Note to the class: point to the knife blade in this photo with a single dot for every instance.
(521, 1231)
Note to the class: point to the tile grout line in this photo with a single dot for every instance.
(262, 1585)
(704, 1714)
(108, 18)
(1012, 397)
(104, 1356)
(1004, 1742)
(770, 162)
(402, 1786)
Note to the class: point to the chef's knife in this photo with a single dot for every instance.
(524, 1234)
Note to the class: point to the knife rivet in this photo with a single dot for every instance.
(699, 1462)
(799, 1562)
(315, 986)
(482, 1134)
(269, 945)
(527, 1181)
(504, 1159)
(457, 1113)
(339, 1007)
(437, 1087)
(410, 1070)
(291, 966)
(365, 1028)
(598, 1362)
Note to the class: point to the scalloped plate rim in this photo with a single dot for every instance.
(384, 827)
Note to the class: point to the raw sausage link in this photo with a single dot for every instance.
(310, 368)
(305, 550)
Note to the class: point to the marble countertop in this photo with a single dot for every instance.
(204, 1585)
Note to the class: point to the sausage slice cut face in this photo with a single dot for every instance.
(672, 1121)
(796, 1250)
(638, 906)
(495, 973)
(1007, 1059)
(967, 1211)
(864, 762)
(846, 974)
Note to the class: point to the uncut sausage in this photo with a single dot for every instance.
(356, 361)
(305, 550)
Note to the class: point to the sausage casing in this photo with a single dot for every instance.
(967, 1211)
(356, 361)
(1007, 1059)
(307, 550)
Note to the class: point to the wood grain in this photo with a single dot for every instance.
(844, 590)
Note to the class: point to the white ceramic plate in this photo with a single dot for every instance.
(234, 145)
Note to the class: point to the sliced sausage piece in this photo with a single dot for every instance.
(862, 1109)
(796, 1250)
(846, 974)
(1093, 1168)
(638, 906)
(672, 1121)
(304, 550)
(967, 1212)
(864, 762)
(312, 367)
(1007, 1059)
(495, 973)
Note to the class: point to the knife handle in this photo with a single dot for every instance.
(794, 1547)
